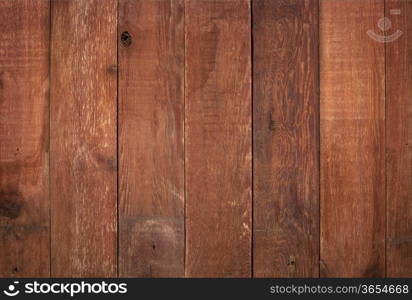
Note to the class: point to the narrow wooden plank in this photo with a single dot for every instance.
(352, 140)
(218, 138)
(151, 104)
(399, 137)
(24, 131)
(83, 138)
(286, 138)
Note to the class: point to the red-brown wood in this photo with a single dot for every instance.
(83, 159)
(218, 138)
(286, 138)
(184, 118)
(399, 137)
(352, 130)
(24, 131)
(151, 107)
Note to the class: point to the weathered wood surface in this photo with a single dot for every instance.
(83, 161)
(399, 138)
(151, 149)
(286, 138)
(24, 132)
(218, 138)
(352, 131)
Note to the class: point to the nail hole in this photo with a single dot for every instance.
(126, 39)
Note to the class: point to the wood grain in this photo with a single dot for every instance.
(24, 110)
(83, 138)
(218, 139)
(286, 138)
(352, 140)
(399, 138)
(151, 110)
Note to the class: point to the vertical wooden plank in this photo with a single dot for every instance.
(151, 104)
(286, 138)
(218, 138)
(399, 137)
(352, 140)
(24, 132)
(83, 138)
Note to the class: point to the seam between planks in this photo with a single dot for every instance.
(385, 132)
(117, 143)
(184, 138)
(319, 139)
(49, 140)
(252, 137)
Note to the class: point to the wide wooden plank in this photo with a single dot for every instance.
(399, 137)
(83, 157)
(352, 100)
(286, 138)
(24, 131)
(151, 104)
(218, 138)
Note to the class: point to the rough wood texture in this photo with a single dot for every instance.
(83, 138)
(24, 104)
(286, 143)
(218, 138)
(399, 139)
(151, 149)
(352, 140)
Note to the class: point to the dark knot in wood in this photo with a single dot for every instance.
(126, 39)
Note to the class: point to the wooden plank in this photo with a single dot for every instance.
(151, 107)
(218, 138)
(286, 138)
(352, 140)
(399, 138)
(24, 131)
(83, 138)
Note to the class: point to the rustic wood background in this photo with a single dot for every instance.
(205, 138)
